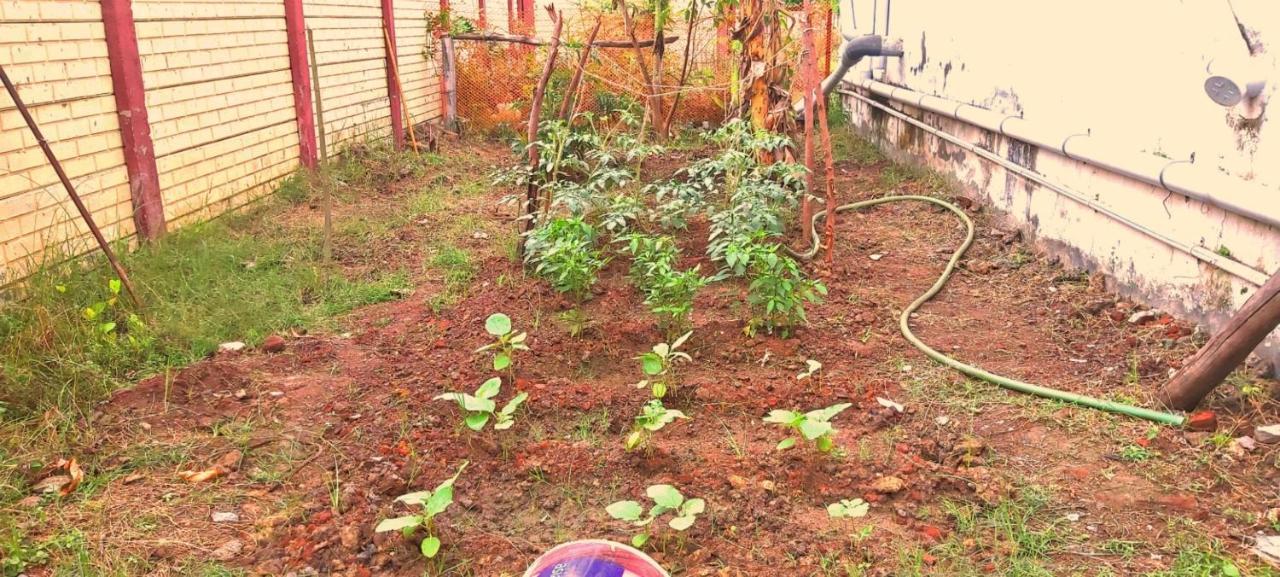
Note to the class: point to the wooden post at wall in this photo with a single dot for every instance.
(131, 108)
(1226, 350)
(299, 68)
(445, 110)
(397, 121)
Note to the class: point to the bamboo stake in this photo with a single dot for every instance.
(395, 79)
(535, 112)
(326, 243)
(566, 107)
(830, 218)
(531, 41)
(809, 82)
(71, 189)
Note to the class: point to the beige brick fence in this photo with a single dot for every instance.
(198, 106)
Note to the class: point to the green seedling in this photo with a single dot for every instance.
(813, 426)
(651, 419)
(811, 367)
(433, 503)
(507, 342)
(480, 407)
(666, 499)
(659, 365)
(848, 509)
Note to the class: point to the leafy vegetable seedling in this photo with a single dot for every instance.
(811, 367)
(666, 499)
(813, 426)
(433, 503)
(507, 342)
(651, 419)
(480, 407)
(848, 509)
(659, 363)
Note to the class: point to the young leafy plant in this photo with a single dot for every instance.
(433, 503)
(813, 426)
(848, 509)
(564, 252)
(507, 341)
(652, 418)
(659, 365)
(666, 498)
(480, 407)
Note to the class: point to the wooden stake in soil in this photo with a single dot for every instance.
(395, 79)
(326, 242)
(566, 107)
(809, 82)
(654, 110)
(535, 113)
(830, 218)
(531, 41)
(71, 189)
(684, 69)
(1226, 350)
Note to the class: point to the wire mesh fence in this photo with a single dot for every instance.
(495, 80)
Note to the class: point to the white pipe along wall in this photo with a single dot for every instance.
(1129, 154)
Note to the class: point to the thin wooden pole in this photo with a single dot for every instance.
(535, 113)
(1226, 350)
(395, 73)
(326, 250)
(71, 189)
(808, 80)
(566, 107)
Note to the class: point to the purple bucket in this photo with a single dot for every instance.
(595, 558)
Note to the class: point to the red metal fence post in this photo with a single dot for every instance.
(131, 107)
(299, 68)
(393, 93)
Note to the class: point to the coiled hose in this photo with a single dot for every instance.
(970, 370)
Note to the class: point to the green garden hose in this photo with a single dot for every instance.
(970, 370)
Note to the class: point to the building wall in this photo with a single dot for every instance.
(1128, 74)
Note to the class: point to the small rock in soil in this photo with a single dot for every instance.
(225, 517)
(273, 344)
(1143, 317)
(737, 482)
(349, 535)
(228, 551)
(1268, 547)
(231, 347)
(888, 485)
(1267, 434)
(1203, 421)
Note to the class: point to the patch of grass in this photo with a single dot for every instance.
(458, 270)
(1019, 535)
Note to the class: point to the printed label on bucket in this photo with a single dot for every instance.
(595, 559)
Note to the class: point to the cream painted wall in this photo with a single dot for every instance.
(1129, 73)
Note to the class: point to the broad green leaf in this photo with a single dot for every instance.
(107, 327)
(497, 324)
(786, 443)
(659, 390)
(489, 389)
(813, 429)
(430, 546)
(682, 523)
(661, 349)
(501, 361)
(114, 284)
(828, 413)
(503, 423)
(455, 397)
(681, 340)
(634, 440)
(515, 402)
(519, 338)
(639, 540)
(625, 510)
(781, 417)
(398, 523)
(665, 495)
(651, 363)
(693, 507)
(415, 498)
(476, 405)
(825, 444)
(477, 421)
(439, 500)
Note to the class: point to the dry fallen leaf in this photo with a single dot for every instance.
(69, 476)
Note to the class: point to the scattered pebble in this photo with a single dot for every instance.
(877, 256)
(225, 517)
(228, 551)
(231, 347)
(1267, 434)
(273, 344)
(1142, 317)
(942, 421)
(888, 485)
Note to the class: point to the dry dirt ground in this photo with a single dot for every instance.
(319, 437)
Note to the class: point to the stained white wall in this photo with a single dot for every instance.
(1130, 73)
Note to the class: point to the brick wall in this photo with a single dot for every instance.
(56, 53)
(219, 93)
